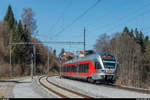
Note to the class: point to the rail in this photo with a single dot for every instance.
(59, 90)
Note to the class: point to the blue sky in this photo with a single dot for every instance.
(109, 16)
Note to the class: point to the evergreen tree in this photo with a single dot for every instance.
(136, 35)
(126, 30)
(18, 37)
(9, 18)
(141, 41)
(19, 33)
(11, 23)
(131, 33)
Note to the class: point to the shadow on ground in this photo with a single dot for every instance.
(14, 81)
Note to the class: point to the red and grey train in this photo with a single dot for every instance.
(99, 66)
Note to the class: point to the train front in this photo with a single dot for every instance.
(108, 66)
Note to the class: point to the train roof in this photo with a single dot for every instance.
(89, 57)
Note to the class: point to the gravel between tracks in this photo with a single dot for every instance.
(41, 90)
(96, 91)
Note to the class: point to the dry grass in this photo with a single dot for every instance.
(1, 95)
(4, 69)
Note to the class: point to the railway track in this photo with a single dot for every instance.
(59, 90)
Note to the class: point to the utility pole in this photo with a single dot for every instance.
(60, 67)
(32, 66)
(10, 61)
(34, 55)
(84, 41)
(48, 58)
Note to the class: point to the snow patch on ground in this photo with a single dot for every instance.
(23, 89)
(96, 90)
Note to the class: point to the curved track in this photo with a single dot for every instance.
(59, 90)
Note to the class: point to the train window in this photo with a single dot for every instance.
(80, 68)
(66, 68)
(97, 65)
(74, 68)
(109, 65)
(83, 68)
(71, 68)
(86, 68)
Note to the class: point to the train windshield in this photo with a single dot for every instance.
(109, 65)
(107, 57)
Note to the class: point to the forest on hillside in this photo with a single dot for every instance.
(132, 49)
(23, 31)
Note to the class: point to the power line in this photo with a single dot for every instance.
(77, 18)
(123, 17)
(106, 14)
(128, 20)
(49, 42)
(61, 15)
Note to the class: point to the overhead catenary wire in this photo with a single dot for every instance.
(128, 20)
(122, 18)
(48, 42)
(106, 14)
(77, 18)
(61, 15)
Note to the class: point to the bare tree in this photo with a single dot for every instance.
(28, 20)
(129, 57)
(102, 43)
